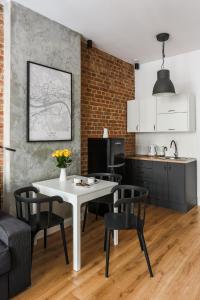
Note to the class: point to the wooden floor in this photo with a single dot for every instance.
(173, 241)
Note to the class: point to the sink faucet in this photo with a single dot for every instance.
(175, 147)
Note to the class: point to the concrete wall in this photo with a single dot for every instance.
(41, 40)
(185, 75)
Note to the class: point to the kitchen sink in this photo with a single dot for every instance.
(167, 157)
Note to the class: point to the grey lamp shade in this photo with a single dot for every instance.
(163, 85)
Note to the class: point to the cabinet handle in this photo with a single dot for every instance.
(171, 129)
(154, 127)
(137, 128)
(170, 110)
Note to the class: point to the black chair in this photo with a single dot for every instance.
(132, 200)
(103, 204)
(41, 220)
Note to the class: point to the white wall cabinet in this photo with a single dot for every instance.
(132, 116)
(172, 122)
(176, 113)
(147, 114)
(162, 114)
(172, 104)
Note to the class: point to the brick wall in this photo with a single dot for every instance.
(1, 98)
(106, 84)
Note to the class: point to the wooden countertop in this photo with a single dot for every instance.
(180, 160)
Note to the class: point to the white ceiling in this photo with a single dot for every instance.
(127, 28)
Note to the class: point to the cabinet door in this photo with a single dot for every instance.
(176, 186)
(132, 116)
(172, 104)
(147, 109)
(172, 122)
(160, 184)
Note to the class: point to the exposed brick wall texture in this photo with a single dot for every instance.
(106, 84)
(1, 97)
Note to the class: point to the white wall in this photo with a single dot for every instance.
(185, 75)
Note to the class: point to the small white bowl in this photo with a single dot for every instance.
(77, 180)
(91, 180)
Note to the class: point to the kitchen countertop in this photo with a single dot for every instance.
(180, 160)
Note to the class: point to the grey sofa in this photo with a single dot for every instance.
(15, 256)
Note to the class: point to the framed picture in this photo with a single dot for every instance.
(49, 104)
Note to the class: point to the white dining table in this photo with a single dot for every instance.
(76, 196)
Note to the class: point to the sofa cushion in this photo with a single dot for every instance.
(5, 260)
(16, 235)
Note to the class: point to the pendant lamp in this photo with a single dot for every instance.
(163, 85)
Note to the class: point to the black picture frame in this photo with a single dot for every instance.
(29, 63)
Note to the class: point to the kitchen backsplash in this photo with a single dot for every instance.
(186, 143)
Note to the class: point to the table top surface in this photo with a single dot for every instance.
(69, 187)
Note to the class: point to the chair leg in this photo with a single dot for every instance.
(110, 206)
(146, 254)
(97, 211)
(32, 243)
(45, 238)
(140, 240)
(85, 217)
(32, 246)
(107, 252)
(105, 237)
(64, 242)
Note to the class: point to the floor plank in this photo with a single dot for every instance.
(173, 241)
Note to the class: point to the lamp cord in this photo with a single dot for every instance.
(163, 56)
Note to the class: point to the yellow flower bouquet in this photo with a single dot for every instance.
(63, 157)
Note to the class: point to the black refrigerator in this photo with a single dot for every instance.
(106, 155)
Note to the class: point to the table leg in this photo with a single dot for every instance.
(34, 211)
(116, 241)
(34, 205)
(76, 237)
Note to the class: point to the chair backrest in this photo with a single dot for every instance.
(25, 198)
(23, 201)
(107, 176)
(132, 200)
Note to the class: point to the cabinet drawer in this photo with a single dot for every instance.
(143, 179)
(143, 173)
(143, 164)
(172, 122)
(178, 103)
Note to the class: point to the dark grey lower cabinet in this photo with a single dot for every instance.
(160, 185)
(176, 186)
(171, 185)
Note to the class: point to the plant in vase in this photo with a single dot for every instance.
(64, 159)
